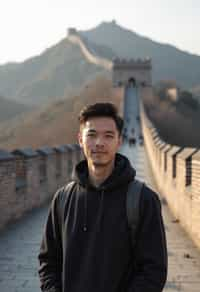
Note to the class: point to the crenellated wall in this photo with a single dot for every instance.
(177, 175)
(29, 178)
(136, 70)
(123, 70)
(176, 169)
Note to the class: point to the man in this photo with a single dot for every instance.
(90, 249)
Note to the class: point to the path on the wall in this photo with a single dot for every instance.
(89, 53)
(184, 258)
(19, 245)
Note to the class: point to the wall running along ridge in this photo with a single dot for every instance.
(177, 175)
(76, 39)
(176, 170)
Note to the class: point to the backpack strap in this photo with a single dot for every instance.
(132, 207)
(66, 192)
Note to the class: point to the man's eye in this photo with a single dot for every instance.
(91, 135)
(109, 136)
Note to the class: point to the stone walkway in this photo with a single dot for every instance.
(19, 245)
(183, 256)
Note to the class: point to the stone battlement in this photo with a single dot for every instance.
(29, 178)
(121, 63)
(137, 70)
(177, 175)
(72, 31)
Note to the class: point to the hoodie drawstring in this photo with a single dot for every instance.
(85, 214)
(100, 210)
(101, 207)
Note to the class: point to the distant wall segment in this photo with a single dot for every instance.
(176, 169)
(123, 70)
(90, 55)
(177, 175)
(29, 178)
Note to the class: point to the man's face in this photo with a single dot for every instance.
(100, 141)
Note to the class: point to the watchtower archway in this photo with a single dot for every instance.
(136, 72)
(132, 82)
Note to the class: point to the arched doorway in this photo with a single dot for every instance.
(131, 82)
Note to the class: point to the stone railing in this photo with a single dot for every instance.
(177, 175)
(29, 178)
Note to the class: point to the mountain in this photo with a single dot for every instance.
(62, 68)
(56, 123)
(168, 61)
(9, 109)
(49, 76)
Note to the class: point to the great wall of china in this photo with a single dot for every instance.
(29, 178)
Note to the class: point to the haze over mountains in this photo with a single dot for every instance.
(55, 78)
(10, 108)
(168, 61)
(63, 68)
(49, 76)
(56, 123)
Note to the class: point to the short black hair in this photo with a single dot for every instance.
(101, 110)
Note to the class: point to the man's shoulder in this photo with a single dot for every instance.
(149, 196)
(64, 191)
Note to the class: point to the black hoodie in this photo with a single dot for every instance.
(92, 250)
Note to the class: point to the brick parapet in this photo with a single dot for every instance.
(7, 189)
(177, 174)
(29, 178)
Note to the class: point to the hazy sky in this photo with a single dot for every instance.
(27, 27)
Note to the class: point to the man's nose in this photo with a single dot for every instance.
(99, 141)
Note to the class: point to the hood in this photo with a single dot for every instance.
(122, 174)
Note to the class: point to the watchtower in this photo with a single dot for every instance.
(135, 71)
(72, 31)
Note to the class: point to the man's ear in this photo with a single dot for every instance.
(80, 140)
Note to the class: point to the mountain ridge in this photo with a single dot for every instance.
(168, 61)
(63, 69)
(9, 109)
(41, 79)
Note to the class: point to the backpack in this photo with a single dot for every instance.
(132, 206)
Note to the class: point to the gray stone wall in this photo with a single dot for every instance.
(177, 174)
(89, 54)
(136, 70)
(29, 179)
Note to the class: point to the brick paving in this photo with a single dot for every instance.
(19, 245)
(183, 256)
